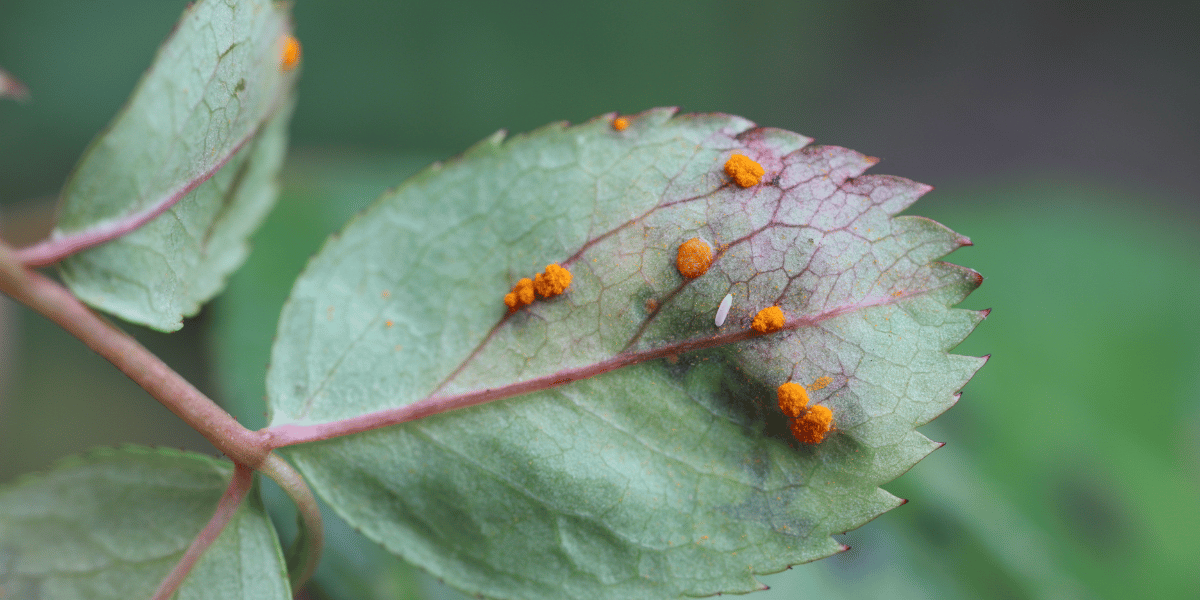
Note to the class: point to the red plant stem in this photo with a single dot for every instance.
(305, 552)
(290, 434)
(243, 477)
(52, 250)
(182, 398)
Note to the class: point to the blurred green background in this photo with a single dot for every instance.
(1063, 138)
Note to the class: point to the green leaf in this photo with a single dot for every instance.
(321, 191)
(215, 101)
(113, 523)
(648, 458)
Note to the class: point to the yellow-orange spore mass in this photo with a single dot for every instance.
(813, 425)
(291, 53)
(521, 294)
(695, 256)
(743, 170)
(793, 399)
(768, 320)
(620, 123)
(821, 383)
(552, 282)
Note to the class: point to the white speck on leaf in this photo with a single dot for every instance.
(723, 309)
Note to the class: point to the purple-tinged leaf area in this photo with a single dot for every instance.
(11, 87)
(160, 206)
(109, 525)
(649, 458)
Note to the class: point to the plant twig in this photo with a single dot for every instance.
(168, 387)
(239, 485)
(310, 538)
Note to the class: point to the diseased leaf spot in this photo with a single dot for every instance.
(694, 258)
(793, 399)
(552, 282)
(768, 320)
(812, 426)
(620, 123)
(547, 284)
(291, 53)
(821, 383)
(521, 294)
(743, 170)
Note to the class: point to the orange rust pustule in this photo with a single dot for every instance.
(743, 170)
(793, 399)
(694, 258)
(521, 294)
(821, 383)
(768, 320)
(812, 426)
(620, 123)
(291, 53)
(552, 282)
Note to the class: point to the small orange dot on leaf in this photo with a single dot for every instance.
(768, 320)
(793, 399)
(821, 383)
(694, 258)
(743, 170)
(620, 123)
(291, 53)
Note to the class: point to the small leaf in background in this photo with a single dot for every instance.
(111, 524)
(215, 98)
(659, 479)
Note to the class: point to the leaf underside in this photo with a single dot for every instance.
(663, 478)
(210, 114)
(111, 524)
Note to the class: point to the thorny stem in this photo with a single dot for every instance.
(305, 552)
(243, 477)
(168, 387)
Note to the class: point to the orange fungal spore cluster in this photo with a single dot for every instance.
(808, 425)
(547, 284)
(812, 426)
(291, 53)
(521, 294)
(743, 170)
(821, 382)
(695, 256)
(768, 320)
(793, 399)
(620, 123)
(552, 282)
